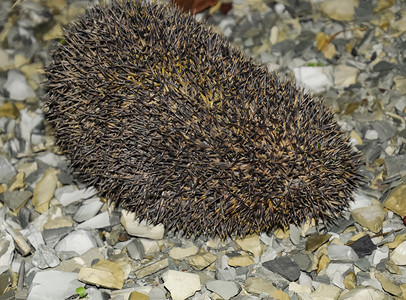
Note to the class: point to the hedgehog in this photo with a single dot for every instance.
(168, 120)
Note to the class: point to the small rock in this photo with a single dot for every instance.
(138, 296)
(225, 289)
(182, 252)
(371, 217)
(7, 170)
(152, 268)
(6, 250)
(257, 285)
(283, 266)
(395, 165)
(314, 241)
(17, 86)
(44, 190)
(340, 10)
(364, 293)
(389, 286)
(181, 284)
(301, 290)
(240, 261)
(70, 194)
(399, 254)
(99, 221)
(325, 292)
(345, 75)
(88, 209)
(382, 253)
(396, 200)
(140, 229)
(53, 284)
(45, 257)
(16, 199)
(104, 273)
(79, 241)
(135, 249)
(342, 253)
(318, 79)
(201, 261)
(58, 222)
(363, 246)
(350, 281)
(251, 244)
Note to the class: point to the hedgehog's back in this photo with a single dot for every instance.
(166, 119)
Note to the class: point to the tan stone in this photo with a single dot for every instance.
(104, 273)
(389, 286)
(44, 190)
(323, 262)
(251, 244)
(240, 261)
(201, 261)
(138, 296)
(152, 268)
(396, 200)
(257, 285)
(371, 217)
(182, 252)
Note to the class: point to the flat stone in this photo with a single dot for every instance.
(305, 260)
(101, 220)
(58, 222)
(63, 285)
(342, 253)
(45, 257)
(257, 285)
(88, 209)
(79, 241)
(363, 246)
(345, 75)
(350, 281)
(138, 296)
(371, 217)
(251, 244)
(389, 286)
(395, 165)
(7, 170)
(225, 289)
(301, 290)
(68, 195)
(17, 86)
(181, 285)
(141, 229)
(53, 236)
(16, 199)
(396, 200)
(314, 241)
(6, 250)
(201, 261)
(152, 268)
(364, 293)
(104, 273)
(182, 252)
(325, 292)
(379, 255)
(135, 249)
(44, 190)
(284, 266)
(399, 254)
(340, 10)
(240, 261)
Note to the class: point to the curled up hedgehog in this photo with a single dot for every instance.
(168, 120)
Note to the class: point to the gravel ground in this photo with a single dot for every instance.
(57, 235)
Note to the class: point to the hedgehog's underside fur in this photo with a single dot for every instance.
(168, 120)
